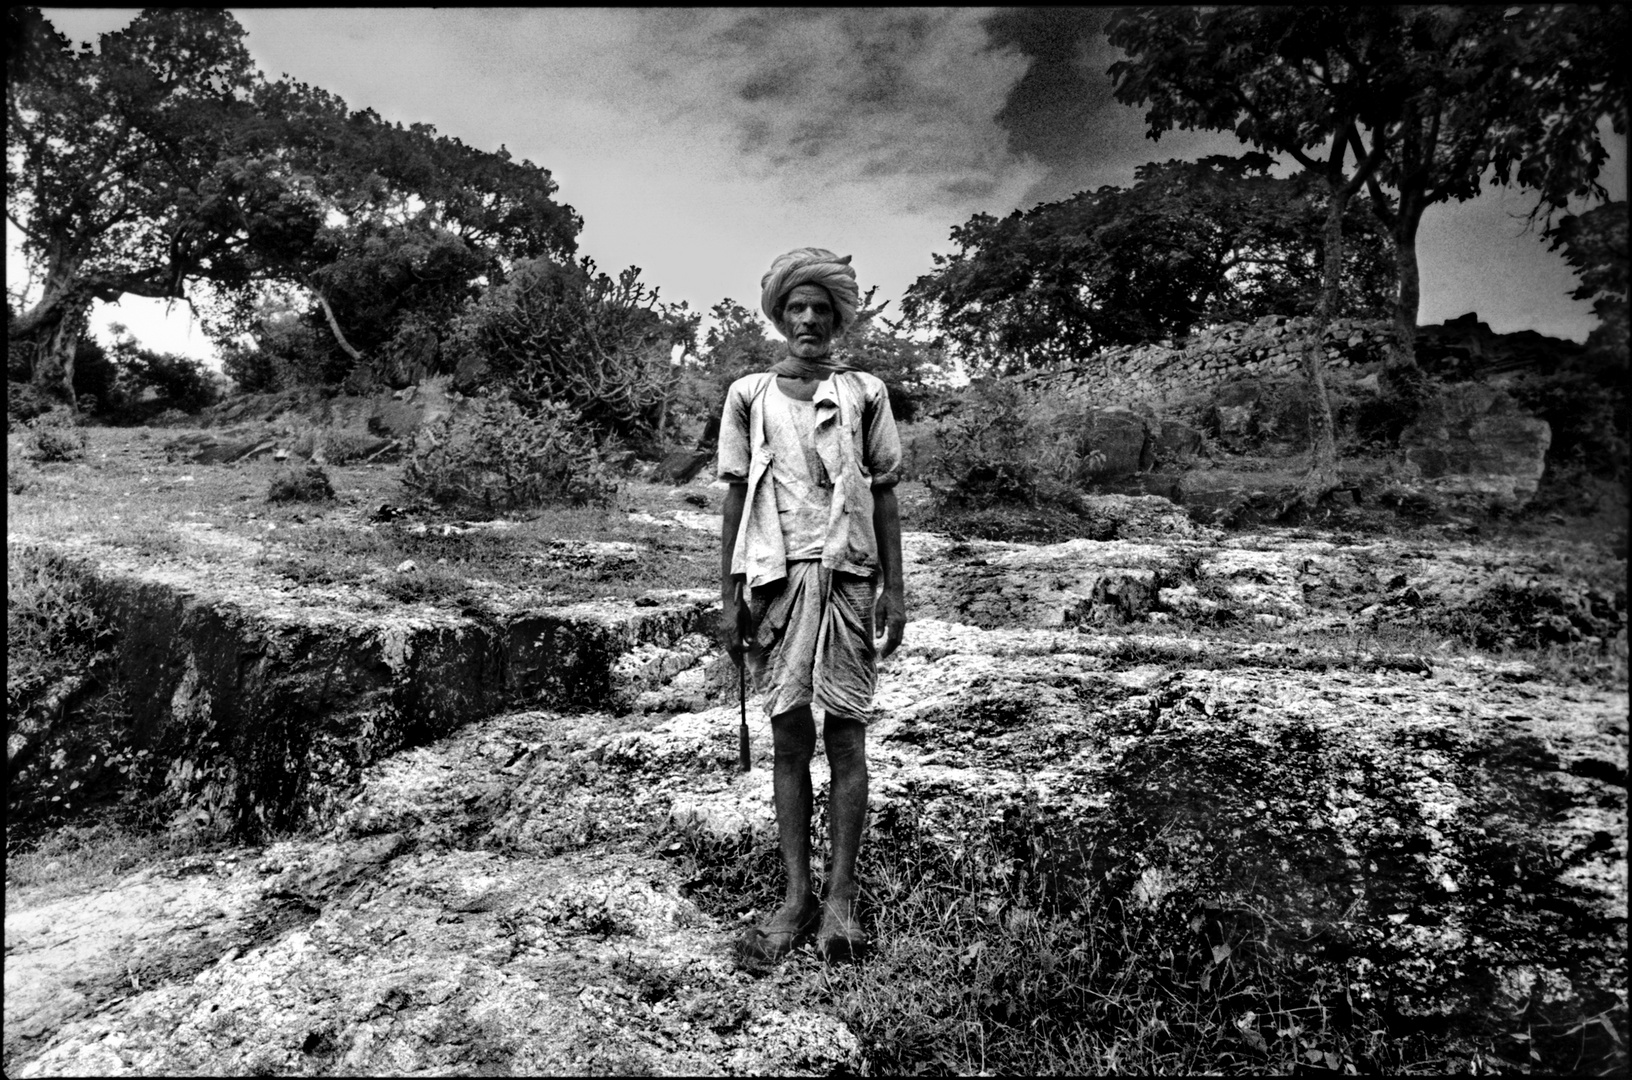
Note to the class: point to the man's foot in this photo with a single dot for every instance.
(785, 931)
(840, 937)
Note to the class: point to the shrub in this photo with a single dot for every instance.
(1588, 414)
(25, 401)
(564, 333)
(57, 438)
(48, 611)
(1380, 419)
(492, 456)
(145, 382)
(426, 584)
(310, 484)
(181, 381)
(287, 353)
(56, 654)
(1000, 447)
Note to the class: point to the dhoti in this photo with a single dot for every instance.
(811, 641)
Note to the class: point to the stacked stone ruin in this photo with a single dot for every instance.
(1159, 373)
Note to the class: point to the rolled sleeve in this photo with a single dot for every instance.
(734, 450)
(883, 442)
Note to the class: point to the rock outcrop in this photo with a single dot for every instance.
(1276, 729)
(269, 699)
(1472, 441)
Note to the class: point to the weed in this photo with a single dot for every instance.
(76, 858)
(56, 438)
(310, 484)
(425, 585)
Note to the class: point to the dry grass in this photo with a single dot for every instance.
(125, 494)
(90, 854)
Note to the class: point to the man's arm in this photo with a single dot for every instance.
(890, 613)
(730, 629)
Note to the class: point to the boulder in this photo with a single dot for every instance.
(1175, 442)
(400, 415)
(1122, 436)
(1234, 416)
(225, 449)
(682, 466)
(1472, 440)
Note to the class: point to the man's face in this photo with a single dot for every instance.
(808, 320)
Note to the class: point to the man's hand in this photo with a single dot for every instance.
(890, 619)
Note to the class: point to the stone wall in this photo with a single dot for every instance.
(1160, 373)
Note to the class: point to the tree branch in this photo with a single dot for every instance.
(334, 325)
(1365, 169)
(1379, 201)
(30, 233)
(1297, 152)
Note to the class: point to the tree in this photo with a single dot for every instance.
(1513, 93)
(1309, 82)
(1586, 401)
(907, 367)
(163, 161)
(126, 175)
(419, 224)
(1215, 240)
(1595, 246)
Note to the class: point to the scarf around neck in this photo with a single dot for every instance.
(798, 368)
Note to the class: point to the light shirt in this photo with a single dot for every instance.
(856, 445)
(803, 495)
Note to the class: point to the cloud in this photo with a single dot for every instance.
(839, 100)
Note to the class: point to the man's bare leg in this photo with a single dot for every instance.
(794, 737)
(845, 739)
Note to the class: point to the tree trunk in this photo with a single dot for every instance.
(1409, 298)
(1322, 475)
(54, 341)
(51, 329)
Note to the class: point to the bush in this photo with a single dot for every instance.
(1001, 447)
(96, 377)
(25, 401)
(1589, 416)
(492, 457)
(287, 353)
(182, 382)
(566, 334)
(56, 658)
(48, 610)
(1380, 419)
(310, 484)
(56, 437)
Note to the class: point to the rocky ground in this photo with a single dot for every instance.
(1277, 724)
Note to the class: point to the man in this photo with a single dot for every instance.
(810, 565)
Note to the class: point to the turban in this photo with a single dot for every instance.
(812, 266)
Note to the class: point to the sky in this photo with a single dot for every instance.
(698, 144)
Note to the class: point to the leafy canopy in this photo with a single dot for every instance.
(163, 160)
(1190, 243)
